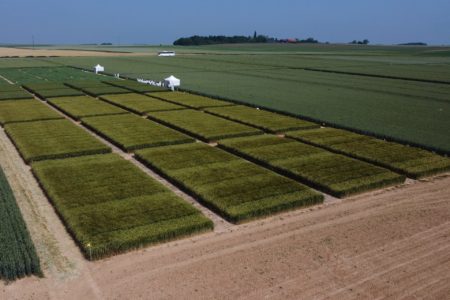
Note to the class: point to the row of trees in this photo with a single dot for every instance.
(363, 42)
(196, 40)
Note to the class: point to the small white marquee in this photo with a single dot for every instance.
(172, 82)
(99, 68)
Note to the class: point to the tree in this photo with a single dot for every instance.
(254, 35)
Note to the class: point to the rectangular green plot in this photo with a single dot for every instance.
(190, 100)
(17, 251)
(139, 103)
(233, 187)
(85, 106)
(52, 139)
(411, 161)
(10, 88)
(35, 86)
(202, 125)
(130, 132)
(85, 83)
(262, 119)
(110, 206)
(25, 110)
(58, 93)
(136, 86)
(97, 88)
(332, 173)
(12, 95)
(101, 90)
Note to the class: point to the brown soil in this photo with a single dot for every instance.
(5, 51)
(393, 243)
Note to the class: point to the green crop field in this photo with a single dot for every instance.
(136, 86)
(131, 132)
(290, 78)
(84, 106)
(25, 110)
(110, 206)
(262, 119)
(52, 89)
(97, 88)
(12, 91)
(18, 256)
(410, 161)
(202, 125)
(52, 139)
(27, 75)
(189, 100)
(139, 103)
(332, 173)
(235, 188)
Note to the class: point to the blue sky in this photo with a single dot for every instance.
(155, 22)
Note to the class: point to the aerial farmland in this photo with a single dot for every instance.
(279, 169)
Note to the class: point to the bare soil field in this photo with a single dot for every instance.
(393, 243)
(21, 52)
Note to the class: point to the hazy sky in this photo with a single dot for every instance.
(155, 22)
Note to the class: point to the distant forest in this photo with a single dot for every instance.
(197, 40)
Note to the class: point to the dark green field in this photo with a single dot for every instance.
(291, 78)
(18, 256)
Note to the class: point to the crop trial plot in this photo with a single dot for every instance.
(235, 188)
(97, 88)
(110, 206)
(12, 91)
(411, 161)
(139, 103)
(332, 173)
(131, 132)
(17, 251)
(136, 86)
(262, 119)
(190, 100)
(202, 125)
(52, 89)
(25, 110)
(84, 106)
(52, 139)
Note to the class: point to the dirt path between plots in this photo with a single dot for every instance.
(6, 51)
(391, 243)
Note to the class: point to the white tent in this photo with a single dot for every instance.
(99, 68)
(172, 82)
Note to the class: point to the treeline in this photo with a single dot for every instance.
(197, 40)
(363, 42)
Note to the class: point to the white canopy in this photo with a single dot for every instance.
(172, 82)
(99, 68)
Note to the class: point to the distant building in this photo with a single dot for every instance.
(166, 53)
(99, 68)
